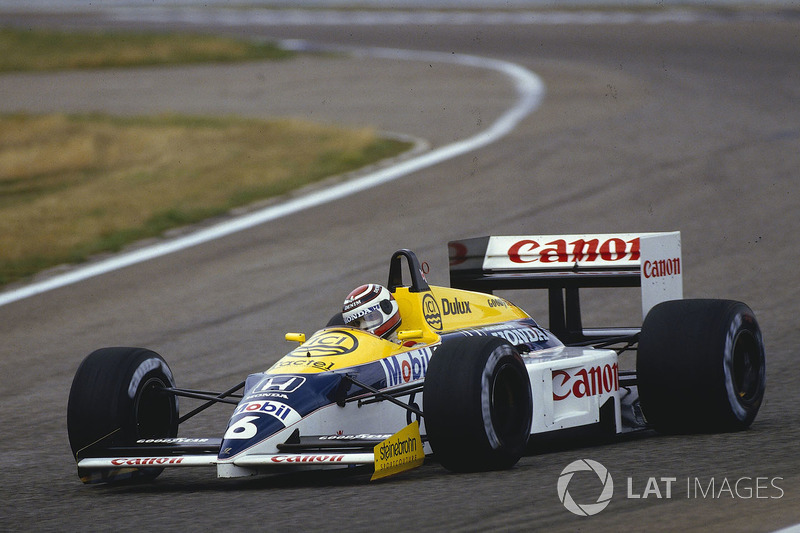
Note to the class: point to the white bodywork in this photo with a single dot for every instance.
(568, 385)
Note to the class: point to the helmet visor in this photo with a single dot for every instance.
(371, 320)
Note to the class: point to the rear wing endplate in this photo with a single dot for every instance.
(563, 264)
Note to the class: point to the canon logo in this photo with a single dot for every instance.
(580, 250)
(585, 382)
(661, 268)
(146, 461)
(307, 458)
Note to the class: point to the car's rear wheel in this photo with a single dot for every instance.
(701, 366)
(477, 404)
(117, 397)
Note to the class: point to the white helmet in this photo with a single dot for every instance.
(372, 308)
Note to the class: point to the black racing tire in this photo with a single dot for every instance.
(116, 398)
(701, 366)
(477, 404)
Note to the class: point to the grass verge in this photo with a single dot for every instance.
(35, 50)
(75, 186)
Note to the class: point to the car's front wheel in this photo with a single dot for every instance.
(117, 397)
(477, 404)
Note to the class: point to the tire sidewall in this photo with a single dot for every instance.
(501, 359)
(742, 329)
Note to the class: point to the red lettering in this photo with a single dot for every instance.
(557, 254)
(578, 249)
(586, 382)
(619, 249)
(581, 387)
(635, 250)
(661, 268)
(307, 458)
(565, 378)
(517, 249)
(405, 368)
(596, 385)
(144, 461)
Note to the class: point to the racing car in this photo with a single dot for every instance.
(469, 378)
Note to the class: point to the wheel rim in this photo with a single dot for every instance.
(154, 410)
(747, 367)
(508, 404)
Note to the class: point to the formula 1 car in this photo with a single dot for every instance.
(470, 378)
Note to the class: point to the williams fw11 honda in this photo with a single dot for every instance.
(465, 374)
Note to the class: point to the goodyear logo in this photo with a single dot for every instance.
(326, 344)
(433, 316)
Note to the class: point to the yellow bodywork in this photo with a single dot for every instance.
(425, 317)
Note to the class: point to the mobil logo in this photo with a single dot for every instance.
(406, 367)
(279, 410)
(583, 382)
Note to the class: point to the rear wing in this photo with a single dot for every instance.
(563, 264)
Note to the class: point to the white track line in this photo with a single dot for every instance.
(530, 91)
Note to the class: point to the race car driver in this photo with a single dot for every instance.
(372, 308)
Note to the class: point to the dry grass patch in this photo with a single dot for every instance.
(25, 50)
(73, 186)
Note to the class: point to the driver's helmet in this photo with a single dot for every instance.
(372, 308)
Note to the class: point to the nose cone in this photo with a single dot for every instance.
(253, 422)
(271, 403)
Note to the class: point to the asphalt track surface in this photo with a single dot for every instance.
(690, 127)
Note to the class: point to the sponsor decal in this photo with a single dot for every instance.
(585, 382)
(361, 312)
(400, 452)
(519, 336)
(457, 253)
(268, 395)
(405, 367)
(516, 336)
(300, 363)
(327, 343)
(173, 440)
(363, 436)
(613, 249)
(433, 316)
(497, 302)
(456, 307)
(278, 410)
(246, 427)
(282, 384)
(146, 461)
(307, 458)
(661, 268)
